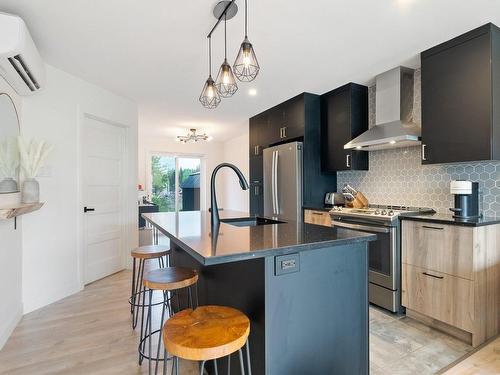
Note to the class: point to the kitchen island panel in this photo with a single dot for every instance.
(311, 321)
(317, 318)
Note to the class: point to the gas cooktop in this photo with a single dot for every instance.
(377, 211)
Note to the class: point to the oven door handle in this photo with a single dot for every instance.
(368, 228)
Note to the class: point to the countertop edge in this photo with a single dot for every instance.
(431, 219)
(261, 253)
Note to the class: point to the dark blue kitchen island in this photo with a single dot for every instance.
(303, 286)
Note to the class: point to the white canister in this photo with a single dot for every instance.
(31, 191)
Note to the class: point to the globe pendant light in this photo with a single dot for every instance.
(246, 66)
(225, 82)
(209, 97)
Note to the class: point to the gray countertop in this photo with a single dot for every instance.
(191, 231)
(449, 219)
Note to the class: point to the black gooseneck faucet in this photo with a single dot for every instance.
(214, 210)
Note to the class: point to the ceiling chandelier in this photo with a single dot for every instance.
(192, 136)
(245, 67)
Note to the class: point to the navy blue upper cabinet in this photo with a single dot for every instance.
(295, 119)
(344, 116)
(461, 98)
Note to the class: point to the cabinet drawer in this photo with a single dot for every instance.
(440, 296)
(317, 217)
(442, 248)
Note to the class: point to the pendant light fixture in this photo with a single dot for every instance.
(209, 97)
(246, 66)
(225, 82)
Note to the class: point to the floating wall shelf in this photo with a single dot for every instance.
(21, 209)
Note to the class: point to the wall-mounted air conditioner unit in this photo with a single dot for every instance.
(20, 63)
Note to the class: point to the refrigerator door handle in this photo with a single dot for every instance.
(276, 171)
(272, 183)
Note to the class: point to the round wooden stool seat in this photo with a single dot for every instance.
(150, 252)
(209, 332)
(170, 278)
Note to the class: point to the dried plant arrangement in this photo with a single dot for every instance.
(33, 154)
(9, 158)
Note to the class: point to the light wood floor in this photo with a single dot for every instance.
(90, 333)
(87, 333)
(485, 361)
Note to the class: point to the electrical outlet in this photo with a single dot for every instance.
(285, 264)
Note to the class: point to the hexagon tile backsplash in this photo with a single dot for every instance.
(397, 177)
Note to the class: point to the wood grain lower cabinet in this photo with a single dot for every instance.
(440, 296)
(451, 278)
(318, 217)
(441, 248)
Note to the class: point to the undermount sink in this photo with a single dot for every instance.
(250, 221)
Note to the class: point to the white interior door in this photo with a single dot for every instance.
(102, 196)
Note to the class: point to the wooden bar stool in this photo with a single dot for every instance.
(207, 333)
(143, 254)
(171, 281)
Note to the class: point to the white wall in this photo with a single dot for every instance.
(51, 261)
(11, 306)
(229, 194)
(211, 153)
(235, 152)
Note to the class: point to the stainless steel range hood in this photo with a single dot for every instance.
(394, 126)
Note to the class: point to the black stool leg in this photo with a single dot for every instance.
(138, 287)
(165, 354)
(149, 332)
(132, 295)
(165, 296)
(202, 367)
(242, 366)
(143, 329)
(248, 357)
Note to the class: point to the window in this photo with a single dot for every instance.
(175, 182)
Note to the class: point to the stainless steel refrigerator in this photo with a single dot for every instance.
(283, 181)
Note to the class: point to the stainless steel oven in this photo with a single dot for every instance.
(384, 259)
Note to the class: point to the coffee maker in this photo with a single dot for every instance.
(466, 199)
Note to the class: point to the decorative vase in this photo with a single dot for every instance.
(31, 191)
(8, 185)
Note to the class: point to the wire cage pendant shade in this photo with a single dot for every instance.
(209, 97)
(225, 81)
(246, 67)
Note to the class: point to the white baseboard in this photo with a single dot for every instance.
(10, 324)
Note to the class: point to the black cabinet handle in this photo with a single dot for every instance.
(434, 276)
(434, 228)
(86, 209)
(317, 213)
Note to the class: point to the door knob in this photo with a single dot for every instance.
(86, 209)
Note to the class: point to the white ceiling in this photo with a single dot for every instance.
(155, 51)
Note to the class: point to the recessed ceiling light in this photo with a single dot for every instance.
(392, 142)
(252, 92)
(359, 148)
